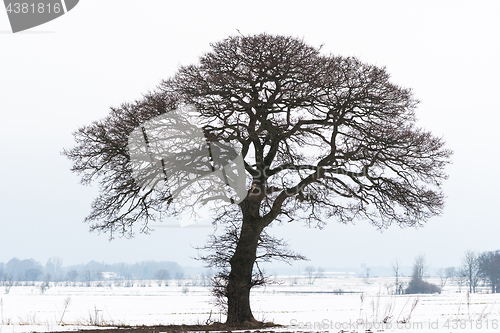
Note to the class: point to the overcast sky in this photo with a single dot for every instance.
(68, 72)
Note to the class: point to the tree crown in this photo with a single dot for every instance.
(321, 136)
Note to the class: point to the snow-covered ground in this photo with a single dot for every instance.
(330, 304)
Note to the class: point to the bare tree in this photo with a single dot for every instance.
(179, 278)
(88, 276)
(320, 273)
(310, 272)
(322, 134)
(459, 279)
(396, 272)
(45, 283)
(449, 272)
(161, 276)
(72, 275)
(91, 275)
(313, 274)
(417, 284)
(7, 282)
(53, 267)
(419, 267)
(445, 274)
(442, 277)
(489, 269)
(470, 270)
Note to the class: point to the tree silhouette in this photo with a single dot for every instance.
(489, 269)
(417, 285)
(322, 138)
(470, 270)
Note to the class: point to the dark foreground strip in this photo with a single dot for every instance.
(254, 327)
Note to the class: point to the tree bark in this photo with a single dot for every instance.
(240, 278)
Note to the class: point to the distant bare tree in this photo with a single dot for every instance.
(442, 277)
(396, 272)
(45, 283)
(320, 273)
(459, 278)
(489, 269)
(313, 274)
(53, 267)
(419, 267)
(7, 282)
(162, 276)
(72, 275)
(445, 274)
(179, 277)
(449, 272)
(91, 275)
(470, 270)
(310, 273)
(417, 284)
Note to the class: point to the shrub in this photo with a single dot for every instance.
(422, 287)
(417, 285)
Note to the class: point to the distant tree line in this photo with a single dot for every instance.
(483, 267)
(17, 270)
(475, 270)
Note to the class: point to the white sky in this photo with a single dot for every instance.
(67, 73)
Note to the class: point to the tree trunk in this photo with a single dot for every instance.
(240, 277)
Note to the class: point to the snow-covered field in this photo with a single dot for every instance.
(330, 304)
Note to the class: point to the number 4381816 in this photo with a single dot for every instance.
(34, 8)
